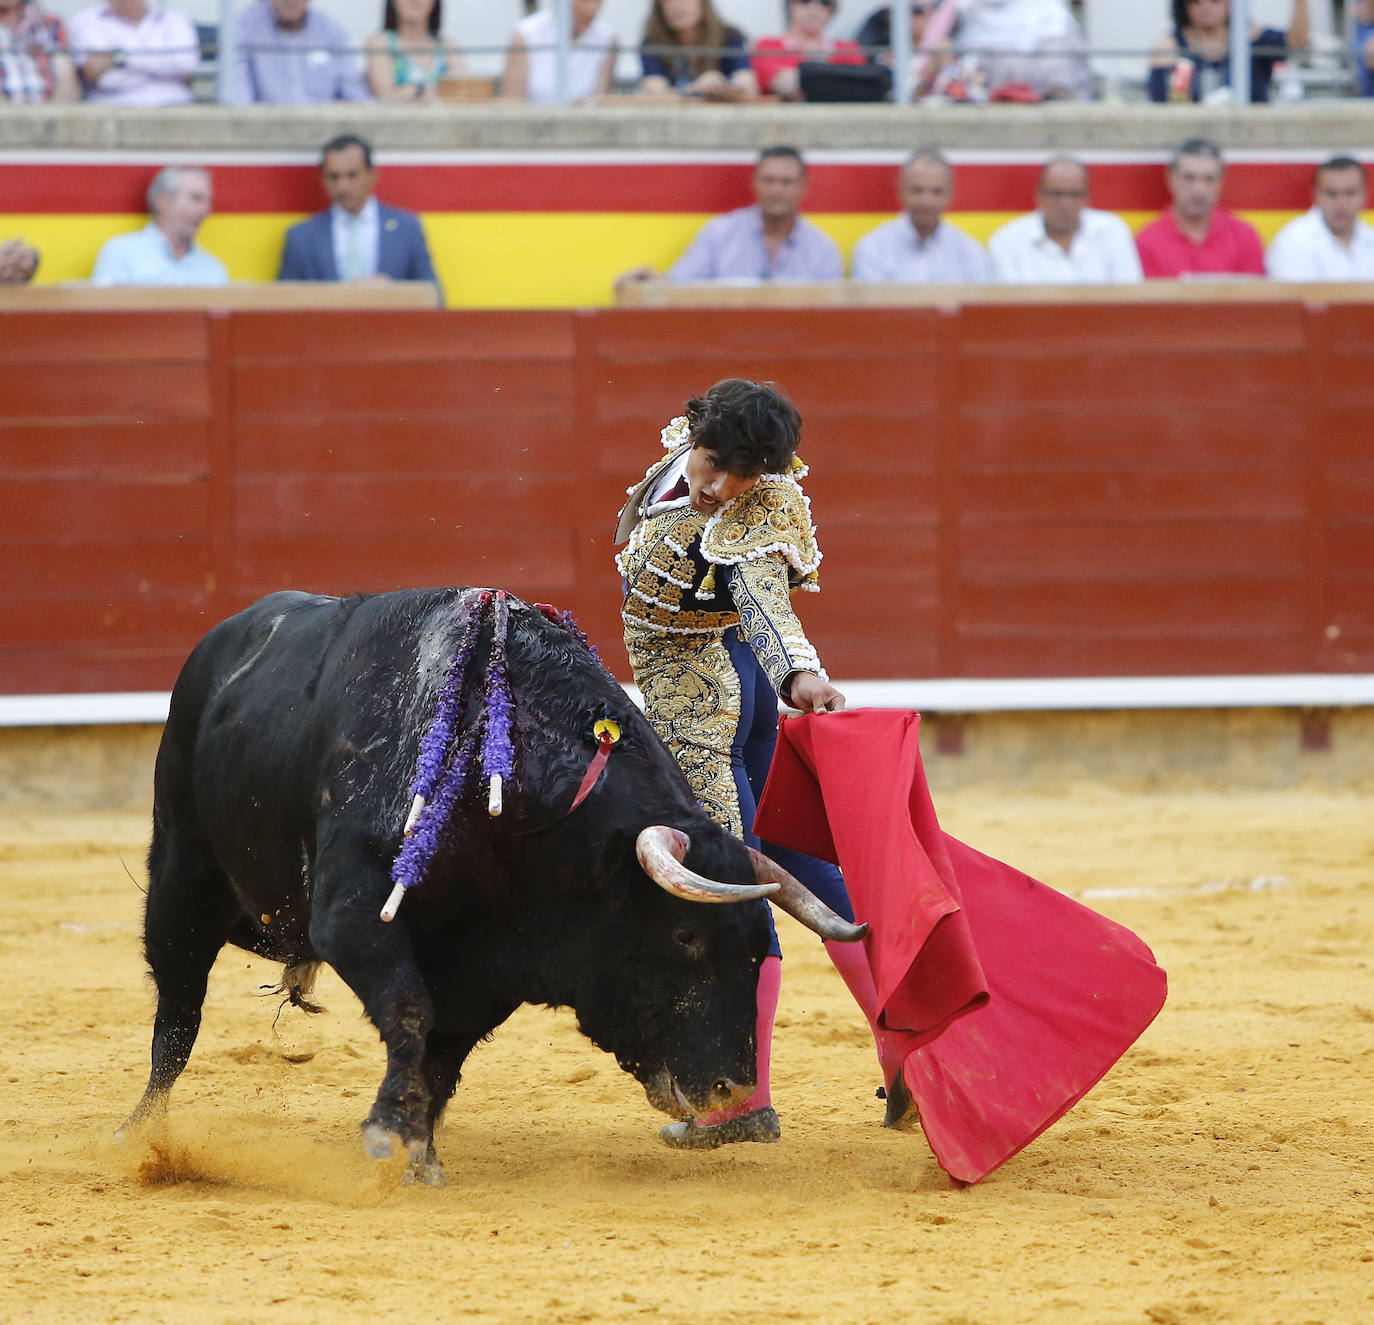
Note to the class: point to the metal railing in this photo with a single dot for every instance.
(219, 50)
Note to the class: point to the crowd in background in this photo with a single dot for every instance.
(1063, 241)
(289, 52)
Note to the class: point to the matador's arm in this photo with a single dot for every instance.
(767, 623)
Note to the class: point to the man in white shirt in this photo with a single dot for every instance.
(920, 245)
(1066, 242)
(1330, 242)
(165, 251)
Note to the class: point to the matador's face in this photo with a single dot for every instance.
(709, 486)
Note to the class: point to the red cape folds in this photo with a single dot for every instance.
(1011, 1000)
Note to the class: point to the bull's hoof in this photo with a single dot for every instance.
(424, 1167)
(902, 1114)
(378, 1142)
(760, 1125)
(150, 1116)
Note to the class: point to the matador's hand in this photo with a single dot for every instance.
(812, 695)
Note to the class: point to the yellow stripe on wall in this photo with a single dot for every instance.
(486, 259)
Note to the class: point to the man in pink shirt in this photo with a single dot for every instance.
(1194, 235)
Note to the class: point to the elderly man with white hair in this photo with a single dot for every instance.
(1034, 43)
(165, 251)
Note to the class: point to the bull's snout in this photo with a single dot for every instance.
(666, 1095)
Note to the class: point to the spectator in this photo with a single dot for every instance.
(920, 245)
(1201, 40)
(408, 57)
(35, 61)
(1194, 234)
(1033, 46)
(1363, 42)
(1331, 242)
(131, 53)
(930, 45)
(358, 238)
(1065, 242)
(531, 65)
(711, 59)
(769, 241)
(165, 251)
(777, 60)
(18, 262)
(291, 55)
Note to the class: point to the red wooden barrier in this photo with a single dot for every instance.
(1000, 491)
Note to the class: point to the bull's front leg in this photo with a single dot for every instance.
(377, 962)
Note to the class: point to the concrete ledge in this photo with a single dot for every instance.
(1319, 127)
(111, 767)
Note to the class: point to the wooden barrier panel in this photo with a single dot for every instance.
(1001, 489)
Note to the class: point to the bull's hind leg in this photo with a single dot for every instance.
(190, 910)
(377, 962)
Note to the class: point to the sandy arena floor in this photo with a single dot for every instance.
(1224, 1171)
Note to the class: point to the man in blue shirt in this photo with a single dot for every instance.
(770, 241)
(290, 55)
(165, 251)
(920, 245)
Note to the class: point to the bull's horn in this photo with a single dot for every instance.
(661, 851)
(802, 904)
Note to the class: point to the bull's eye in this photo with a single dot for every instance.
(686, 937)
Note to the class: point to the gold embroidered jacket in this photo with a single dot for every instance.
(689, 578)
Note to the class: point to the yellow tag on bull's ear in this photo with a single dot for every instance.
(607, 727)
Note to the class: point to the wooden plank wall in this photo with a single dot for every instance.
(105, 487)
(1000, 490)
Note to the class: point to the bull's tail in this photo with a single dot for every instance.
(298, 984)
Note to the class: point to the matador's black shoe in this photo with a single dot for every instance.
(760, 1125)
(902, 1113)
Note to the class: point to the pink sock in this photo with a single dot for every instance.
(770, 985)
(851, 961)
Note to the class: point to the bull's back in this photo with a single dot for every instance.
(295, 704)
(238, 761)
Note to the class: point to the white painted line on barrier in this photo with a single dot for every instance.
(1011, 695)
(75, 710)
(1050, 694)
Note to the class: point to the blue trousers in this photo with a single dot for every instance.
(751, 755)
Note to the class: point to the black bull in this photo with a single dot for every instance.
(281, 789)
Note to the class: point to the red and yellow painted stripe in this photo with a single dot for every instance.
(534, 230)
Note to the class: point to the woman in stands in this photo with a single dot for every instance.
(931, 47)
(777, 60)
(34, 64)
(531, 61)
(1192, 62)
(408, 58)
(690, 50)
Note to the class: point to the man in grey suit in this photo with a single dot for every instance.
(358, 238)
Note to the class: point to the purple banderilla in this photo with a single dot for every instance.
(441, 768)
(497, 752)
(566, 619)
